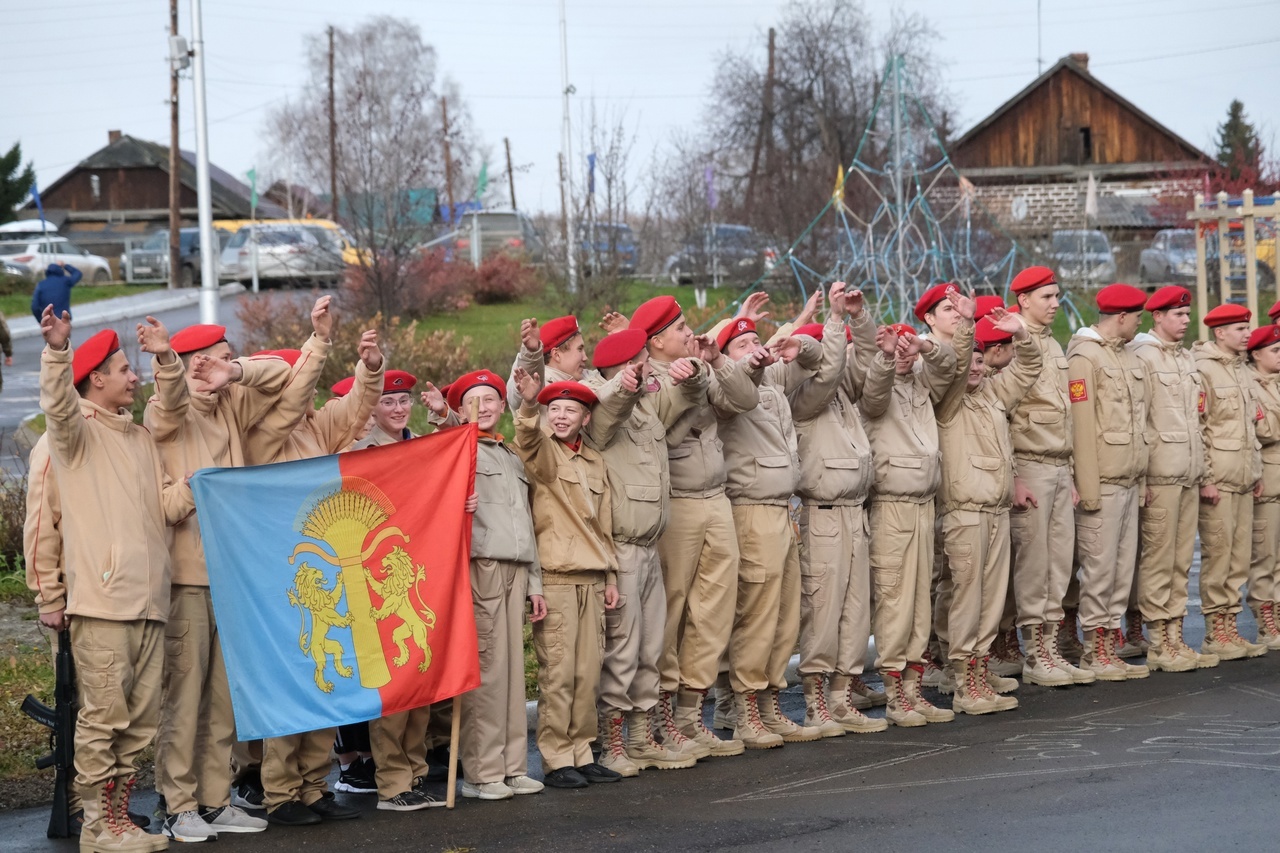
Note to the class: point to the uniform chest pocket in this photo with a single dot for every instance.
(842, 463)
(648, 494)
(1060, 363)
(987, 463)
(1045, 417)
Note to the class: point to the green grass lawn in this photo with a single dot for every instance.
(18, 304)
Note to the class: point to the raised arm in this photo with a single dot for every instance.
(617, 398)
(58, 398)
(529, 358)
(532, 444)
(339, 420)
(877, 390)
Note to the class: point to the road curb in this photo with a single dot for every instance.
(124, 308)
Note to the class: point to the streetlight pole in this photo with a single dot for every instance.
(208, 243)
(566, 142)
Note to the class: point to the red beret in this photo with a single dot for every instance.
(1274, 311)
(1168, 297)
(1031, 278)
(812, 330)
(398, 382)
(1263, 336)
(984, 305)
(343, 387)
(555, 332)
(289, 355)
(902, 329)
(90, 355)
(458, 389)
(736, 328)
(1120, 299)
(1225, 315)
(567, 391)
(656, 314)
(986, 333)
(931, 297)
(619, 347)
(198, 337)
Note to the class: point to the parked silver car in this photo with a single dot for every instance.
(1082, 256)
(286, 253)
(1170, 257)
(37, 253)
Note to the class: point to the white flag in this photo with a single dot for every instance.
(1091, 199)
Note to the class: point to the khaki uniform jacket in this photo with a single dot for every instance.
(571, 505)
(502, 525)
(265, 439)
(694, 449)
(194, 431)
(1108, 391)
(760, 447)
(378, 437)
(331, 428)
(1268, 430)
(1175, 449)
(627, 431)
(1041, 424)
(1232, 460)
(836, 464)
(42, 533)
(116, 502)
(898, 412)
(534, 365)
(973, 434)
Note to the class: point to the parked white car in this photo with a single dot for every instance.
(286, 253)
(36, 254)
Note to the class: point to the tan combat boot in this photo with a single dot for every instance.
(1006, 656)
(1097, 656)
(1134, 644)
(1132, 671)
(95, 802)
(645, 752)
(935, 674)
(1202, 660)
(844, 710)
(862, 696)
(137, 839)
(1162, 655)
(1038, 666)
(1078, 674)
(985, 684)
(1218, 637)
(780, 724)
(968, 698)
(1069, 645)
(816, 712)
(669, 734)
(897, 709)
(997, 683)
(1252, 650)
(922, 706)
(689, 719)
(117, 833)
(1268, 632)
(613, 750)
(751, 731)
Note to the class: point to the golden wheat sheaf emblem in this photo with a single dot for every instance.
(351, 517)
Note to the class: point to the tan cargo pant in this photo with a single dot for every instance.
(196, 723)
(699, 552)
(634, 631)
(977, 549)
(570, 644)
(296, 767)
(1225, 543)
(1107, 542)
(901, 566)
(119, 668)
(766, 620)
(494, 732)
(399, 746)
(1263, 568)
(835, 590)
(1168, 544)
(1043, 543)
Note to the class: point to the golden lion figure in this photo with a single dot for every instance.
(310, 595)
(401, 577)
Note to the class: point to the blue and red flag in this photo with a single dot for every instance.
(341, 584)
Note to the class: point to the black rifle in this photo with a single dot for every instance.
(61, 722)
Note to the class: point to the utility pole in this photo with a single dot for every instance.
(511, 175)
(208, 257)
(448, 159)
(175, 158)
(566, 144)
(765, 129)
(1039, 51)
(564, 204)
(333, 139)
(897, 177)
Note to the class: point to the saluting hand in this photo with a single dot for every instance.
(213, 374)
(966, 306)
(629, 378)
(154, 337)
(1008, 321)
(811, 305)
(681, 369)
(785, 350)
(708, 350)
(434, 400)
(753, 307)
(760, 358)
(368, 350)
(837, 299)
(322, 318)
(528, 386)
(529, 335)
(613, 322)
(55, 330)
(887, 340)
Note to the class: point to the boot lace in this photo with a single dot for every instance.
(615, 745)
(671, 734)
(819, 702)
(109, 808)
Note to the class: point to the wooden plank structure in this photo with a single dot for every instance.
(1217, 216)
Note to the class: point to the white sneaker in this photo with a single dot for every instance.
(523, 785)
(189, 826)
(232, 819)
(487, 791)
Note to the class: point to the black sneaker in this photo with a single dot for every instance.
(565, 777)
(409, 801)
(433, 792)
(357, 778)
(293, 813)
(248, 795)
(595, 773)
(329, 808)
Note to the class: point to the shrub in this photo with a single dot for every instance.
(13, 515)
(502, 278)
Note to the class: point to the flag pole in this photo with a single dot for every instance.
(451, 794)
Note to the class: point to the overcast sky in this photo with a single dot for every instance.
(78, 68)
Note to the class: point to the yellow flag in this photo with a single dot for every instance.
(837, 194)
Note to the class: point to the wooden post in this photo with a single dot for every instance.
(763, 132)
(1202, 276)
(448, 160)
(1250, 254)
(175, 164)
(511, 175)
(333, 140)
(1224, 245)
(473, 416)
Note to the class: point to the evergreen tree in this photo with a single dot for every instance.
(1239, 150)
(13, 186)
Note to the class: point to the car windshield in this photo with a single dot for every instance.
(157, 241)
(280, 238)
(239, 239)
(728, 235)
(1067, 243)
(504, 222)
(1182, 240)
(15, 247)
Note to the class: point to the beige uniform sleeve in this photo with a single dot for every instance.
(168, 408)
(1012, 384)
(733, 389)
(270, 433)
(672, 401)
(41, 535)
(877, 390)
(533, 364)
(813, 396)
(613, 410)
(938, 367)
(263, 380)
(61, 406)
(339, 420)
(531, 445)
(953, 397)
(1084, 432)
(863, 333)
